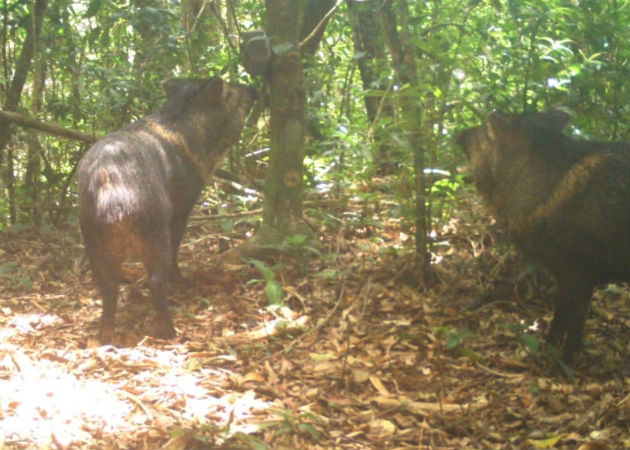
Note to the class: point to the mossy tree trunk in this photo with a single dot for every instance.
(295, 28)
(282, 209)
(288, 21)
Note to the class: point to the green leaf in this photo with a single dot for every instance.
(454, 339)
(26, 282)
(8, 267)
(541, 444)
(531, 341)
(227, 225)
(310, 429)
(267, 272)
(296, 240)
(93, 8)
(274, 292)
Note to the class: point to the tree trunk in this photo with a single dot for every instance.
(404, 58)
(369, 44)
(21, 69)
(14, 93)
(292, 36)
(311, 28)
(32, 181)
(10, 182)
(282, 209)
(203, 24)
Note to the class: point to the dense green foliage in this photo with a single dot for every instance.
(99, 65)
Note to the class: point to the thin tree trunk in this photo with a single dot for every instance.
(10, 181)
(21, 69)
(314, 22)
(369, 45)
(404, 58)
(34, 163)
(15, 92)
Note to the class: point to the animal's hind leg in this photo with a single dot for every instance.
(109, 289)
(572, 303)
(106, 271)
(178, 226)
(158, 262)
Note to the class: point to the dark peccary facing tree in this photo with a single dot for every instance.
(138, 185)
(565, 202)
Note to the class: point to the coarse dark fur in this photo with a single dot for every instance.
(564, 202)
(137, 186)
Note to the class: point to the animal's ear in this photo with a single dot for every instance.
(556, 119)
(214, 86)
(497, 122)
(463, 138)
(169, 85)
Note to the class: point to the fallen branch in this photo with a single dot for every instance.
(422, 408)
(253, 212)
(200, 218)
(49, 128)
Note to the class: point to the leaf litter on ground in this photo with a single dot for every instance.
(353, 358)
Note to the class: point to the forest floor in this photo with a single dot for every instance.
(357, 358)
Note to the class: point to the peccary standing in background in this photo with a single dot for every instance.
(138, 185)
(564, 202)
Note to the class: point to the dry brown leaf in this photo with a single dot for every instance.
(378, 385)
